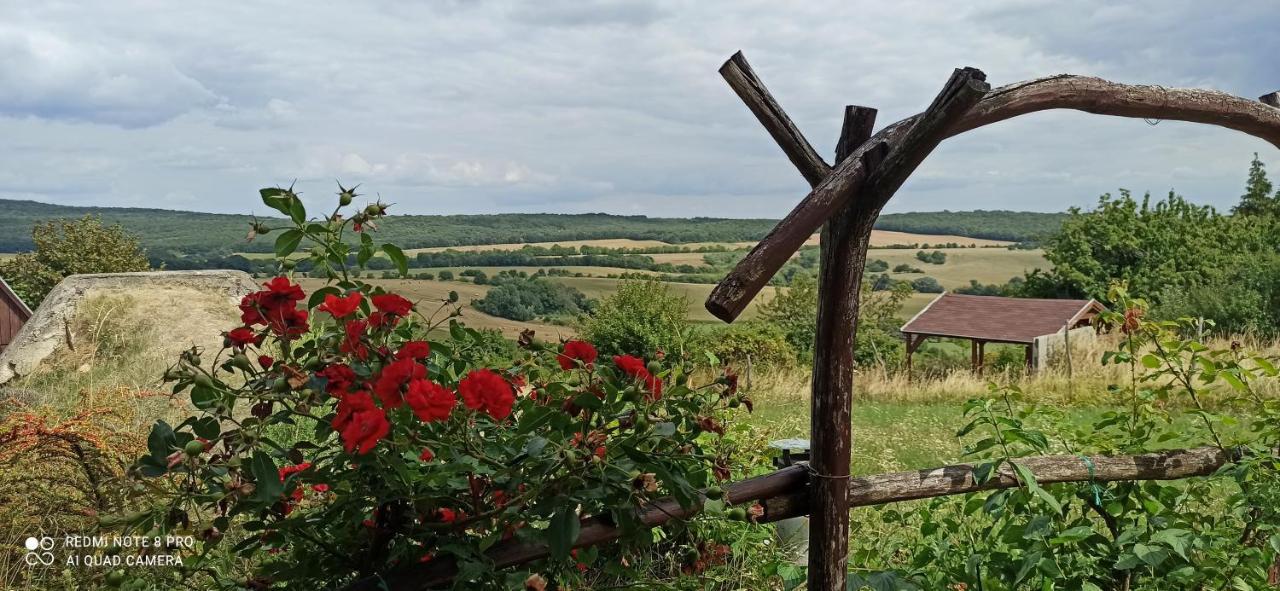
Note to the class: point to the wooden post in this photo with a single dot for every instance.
(973, 355)
(1066, 346)
(844, 253)
(982, 357)
(1030, 361)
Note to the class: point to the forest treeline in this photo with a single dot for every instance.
(171, 232)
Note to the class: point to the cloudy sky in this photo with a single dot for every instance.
(479, 106)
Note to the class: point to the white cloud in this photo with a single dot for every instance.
(601, 105)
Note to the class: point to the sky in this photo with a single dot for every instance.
(479, 106)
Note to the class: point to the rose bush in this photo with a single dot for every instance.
(350, 432)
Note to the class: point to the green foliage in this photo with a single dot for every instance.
(640, 318)
(936, 257)
(905, 268)
(1018, 226)
(876, 266)
(1258, 198)
(763, 344)
(794, 311)
(71, 247)
(926, 285)
(1149, 246)
(446, 275)
(525, 299)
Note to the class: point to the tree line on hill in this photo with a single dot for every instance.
(167, 233)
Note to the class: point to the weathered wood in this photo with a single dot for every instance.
(1081, 93)
(1272, 99)
(958, 479)
(845, 238)
(732, 295)
(784, 494)
(441, 571)
(743, 80)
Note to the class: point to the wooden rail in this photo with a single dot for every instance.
(785, 494)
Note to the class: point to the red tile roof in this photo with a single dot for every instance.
(991, 318)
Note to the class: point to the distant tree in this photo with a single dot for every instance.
(877, 266)
(795, 311)
(905, 268)
(936, 257)
(640, 318)
(479, 278)
(926, 285)
(71, 247)
(1258, 198)
(446, 275)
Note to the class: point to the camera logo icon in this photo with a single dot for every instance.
(38, 551)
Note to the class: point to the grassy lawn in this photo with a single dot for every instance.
(987, 265)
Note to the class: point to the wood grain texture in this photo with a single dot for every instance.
(732, 295)
(1272, 99)
(1081, 93)
(845, 238)
(743, 80)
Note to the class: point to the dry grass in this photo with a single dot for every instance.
(605, 243)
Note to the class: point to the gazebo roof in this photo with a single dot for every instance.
(998, 319)
(7, 293)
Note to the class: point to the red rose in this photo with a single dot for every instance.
(414, 350)
(341, 307)
(340, 379)
(427, 455)
(243, 337)
(395, 376)
(360, 423)
(390, 303)
(320, 488)
(429, 400)
(485, 390)
(352, 344)
(280, 293)
(446, 515)
(635, 367)
(287, 322)
(575, 351)
(266, 361)
(286, 471)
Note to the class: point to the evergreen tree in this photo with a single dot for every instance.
(1258, 198)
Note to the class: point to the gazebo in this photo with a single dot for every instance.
(13, 314)
(992, 319)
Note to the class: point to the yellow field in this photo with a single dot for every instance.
(987, 265)
(491, 271)
(599, 287)
(429, 295)
(607, 243)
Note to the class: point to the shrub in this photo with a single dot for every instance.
(936, 257)
(332, 443)
(71, 247)
(525, 299)
(876, 266)
(905, 268)
(926, 285)
(641, 318)
(446, 275)
(763, 344)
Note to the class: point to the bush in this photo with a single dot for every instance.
(794, 311)
(876, 266)
(905, 268)
(936, 257)
(641, 318)
(361, 450)
(446, 275)
(525, 299)
(763, 344)
(71, 247)
(926, 285)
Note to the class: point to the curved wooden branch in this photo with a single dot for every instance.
(1081, 93)
(743, 80)
(784, 495)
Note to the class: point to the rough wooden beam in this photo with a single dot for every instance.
(743, 80)
(784, 494)
(731, 296)
(1081, 93)
(958, 479)
(844, 254)
(1272, 99)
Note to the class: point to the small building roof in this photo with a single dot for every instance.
(7, 293)
(998, 319)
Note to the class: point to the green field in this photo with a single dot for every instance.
(986, 265)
